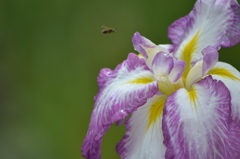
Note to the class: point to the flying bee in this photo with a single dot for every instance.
(108, 30)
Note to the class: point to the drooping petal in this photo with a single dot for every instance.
(122, 91)
(211, 22)
(231, 78)
(143, 138)
(162, 64)
(197, 123)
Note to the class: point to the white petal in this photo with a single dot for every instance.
(143, 139)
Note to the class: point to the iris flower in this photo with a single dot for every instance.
(184, 103)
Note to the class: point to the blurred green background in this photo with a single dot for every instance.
(51, 52)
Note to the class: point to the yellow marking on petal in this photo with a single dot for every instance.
(222, 72)
(140, 55)
(193, 96)
(188, 51)
(142, 80)
(155, 111)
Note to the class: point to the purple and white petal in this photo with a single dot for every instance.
(231, 78)
(140, 43)
(143, 138)
(210, 58)
(148, 49)
(232, 36)
(176, 31)
(162, 64)
(122, 91)
(177, 71)
(211, 22)
(197, 123)
(168, 47)
(202, 66)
